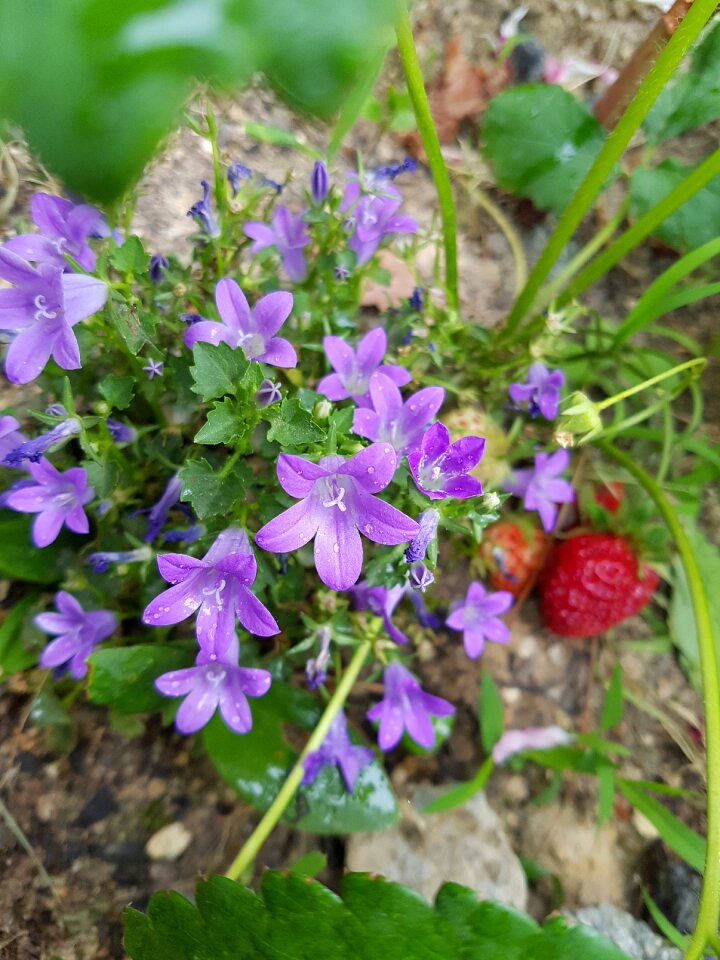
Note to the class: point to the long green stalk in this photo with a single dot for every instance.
(709, 912)
(431, 143)
(276, 809)
(613, 148)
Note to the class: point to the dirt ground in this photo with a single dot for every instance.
(89, 812)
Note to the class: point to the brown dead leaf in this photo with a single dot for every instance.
(402, 283)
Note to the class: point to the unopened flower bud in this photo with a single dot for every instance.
(319, 182)
(322, 409)
(492, 501)
(579, 415)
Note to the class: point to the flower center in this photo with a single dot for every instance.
(215, 674)
(41, 313)
(251, 344)
(215, 591)
(337, 495)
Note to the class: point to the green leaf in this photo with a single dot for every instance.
(490, 713)
(48, 712)
(118, 391)
(102, 477)
(692, 224)
(606, 793)
(208, 491)
(130, 257)
(296, 918)
(217, 370)
(310, 864)
(257, 764)
(222, 424)
(693, 98)
(291, 426)
(666, 928)
(135, 329)
(279, 138)
(123, 677)
(459, 795)
(20, 559)
(540, 141)
(679, 837)
(612, 710)
(14, 631)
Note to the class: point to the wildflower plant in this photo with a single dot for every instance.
(306, 455)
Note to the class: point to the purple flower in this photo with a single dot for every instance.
(354, 369)
(341, 273)
(158, 513)
(268, 394)
(10, 439)
(33, 450)
(190, 318)
(271, 184)
(76, 632)
(379, 176)
(337, 503)
(319, 182)
(541, 392)
(189, 535)
(56, 498)
(431, 621)
(218, 588)
(237, 173)
(287, 232)
(406, 706)
(316, 667)
(337, 750)
(373, 216)
(42, 310)
(541, 487)
(420, 578)
(394, 421)
(478, 618)
(252, 331)
(440, 469)
(153, 368)
(120, 432)
(64, 228)
(211, 684)
(531, 738)
(428, 521)
(100, 562)
(202, 214)
(382, 602)
(158, 266)
(415, 300)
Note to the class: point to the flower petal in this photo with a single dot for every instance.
(215, 625)
(234, 708)
(262, 235)
(380, 522)
(399, 375)
(419, 725)
(16, 310)
(76, 520)
(16, 270)
(420, 409)
(53, 622)
(296, 475)
(176, 567)
(331, 387)
(373, 468)
(271, 312)
(33, 246)
(253, 614)
(462, 487)
(60, 650)
(371, 350)
(474, 643)
(173, 605)
(386, 398)
(232, 306)
(83, 296)
(46, 527)
(366, 423)
(177, 683)
(292, 529)
(435, 443)
(338, 550)
(197, 708)
(279, 353)
(340, 354)
(208, 331)
(29, 352)
(66, 352)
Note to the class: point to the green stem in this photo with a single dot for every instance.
(429, 137)
(707, 921)
(613, 148)
(263, 830)
(610, 401)
(356, 100)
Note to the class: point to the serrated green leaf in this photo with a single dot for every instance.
(296, 918)
(20, 559)
(118, 391)
(692, 224)
(134, 328)
(222, 424)
(291, 426)
(123, 677)
(540, 141)
(16, 626)
(130, 257)
(207, 491)
(102, 477)
(218, 369)
(490, 713)
(693, 98)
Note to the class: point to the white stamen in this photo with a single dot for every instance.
(41, 313)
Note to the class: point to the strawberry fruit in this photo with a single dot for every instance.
(592, 581)
(512, 553)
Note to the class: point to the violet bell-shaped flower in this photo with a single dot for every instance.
(158, 265)
(337, 504)
(32, 450)
(64, 228)
(214, 684)
(268, 393)
(353, 369)
(397, 422)
(237, 174)
(381, 601)
(101, 561)
(419, 577)
(77, 632)
(202, 214)
(57, 499)
(541, 488)
(478, 618)
(541, 392)
(252, 331)
(428, 522)
(316, 667)
(373, 216)
(287, 232)
(441, 469)
(337, 750)
(41, 311)
(405, 706)
(218, 588)
(157, 514)
(10, 439)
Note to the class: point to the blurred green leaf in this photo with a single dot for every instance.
(118, 391)
(679, 837)
(612, 710)
(208, 491)
(123, 677)
(130, 257)
(692, 224)
(291, 426)
(20, 559)
(490, 712)
(14, 631)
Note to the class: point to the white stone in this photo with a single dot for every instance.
(169, 843)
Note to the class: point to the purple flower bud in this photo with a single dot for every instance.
(428, 521)
(32, 450)
(158, 265)
(189, 535)
(190, 318)
(153, 368)
(416, 299)
(268, 394)
(236, 174)
(319, 182)
(100, 562)
(316, 667)
(56, 410)
(121, 432)
(420, 577)
(381, 175)
(271, 184)
(202, 214)
(425, 618)
(158, 514)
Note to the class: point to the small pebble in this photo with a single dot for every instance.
(169, 843)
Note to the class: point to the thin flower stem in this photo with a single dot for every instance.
(707, 920)
(263, 830)
(516, 248)
(613, 148)
(431, 143)
(696, 362)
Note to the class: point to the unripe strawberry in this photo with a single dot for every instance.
(512, 553)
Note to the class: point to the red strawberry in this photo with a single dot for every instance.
(591, 582)
(512, 554)
(610, 496)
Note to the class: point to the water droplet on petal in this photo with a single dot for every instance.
(368, 528)
(371, 469)
(336, 548)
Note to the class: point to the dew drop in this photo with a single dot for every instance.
(368, 527)
(336, 548)
(371, 469)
